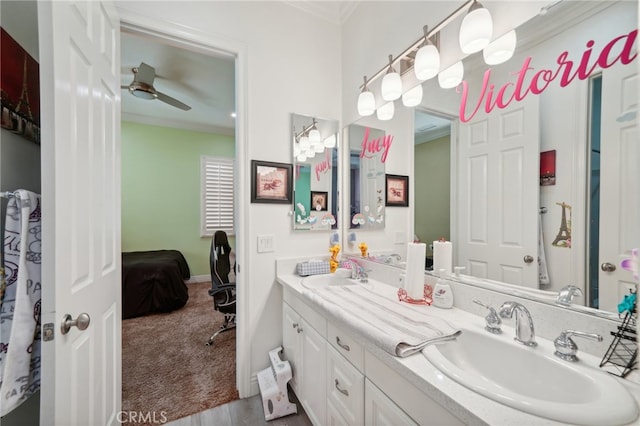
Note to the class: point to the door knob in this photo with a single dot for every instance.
(608, 267)
(528, 259)
(82, 322)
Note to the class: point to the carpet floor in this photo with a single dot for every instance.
(166, 367)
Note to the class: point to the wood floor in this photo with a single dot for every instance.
(243, 412)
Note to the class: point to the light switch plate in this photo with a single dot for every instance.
(266, 243)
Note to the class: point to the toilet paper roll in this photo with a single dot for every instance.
(416, 253)
(442, 256)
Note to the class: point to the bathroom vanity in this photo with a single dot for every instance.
(342, 378)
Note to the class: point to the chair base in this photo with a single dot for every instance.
(229, 324)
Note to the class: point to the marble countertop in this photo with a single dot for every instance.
(469, 406)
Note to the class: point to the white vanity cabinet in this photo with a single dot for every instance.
(380, 410)
(305, 349)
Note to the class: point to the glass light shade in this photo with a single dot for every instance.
(366, 103)
(314, 136)
(391, 88)
(427, 62)
(330, 142)
(476, 30)
(413, 96)
(501, 49)
(310, 153)
(386, 111)
(452, 76)
(318, 147)
(301, 157)
(304, 143)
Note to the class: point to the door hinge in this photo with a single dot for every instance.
(47, 332)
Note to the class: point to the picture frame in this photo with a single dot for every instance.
(271, 182)
(548, 168)
(396, 190)
(319, 201)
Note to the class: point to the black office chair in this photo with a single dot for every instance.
(222, 263)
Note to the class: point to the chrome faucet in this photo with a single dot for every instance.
(567, 293)
(492, 319)
(524, 323)
(357, 271)
(566, 348)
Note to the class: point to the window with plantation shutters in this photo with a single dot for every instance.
(217, 195)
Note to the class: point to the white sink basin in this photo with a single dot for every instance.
(327, 280)
(533, 379)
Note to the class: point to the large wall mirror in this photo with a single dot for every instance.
(560, 206)
(367, 155)
(315, 144)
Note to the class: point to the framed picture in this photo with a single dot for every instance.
(397, 190)
(319, 201)
(271, 182)
(548, 168)
(19, 90)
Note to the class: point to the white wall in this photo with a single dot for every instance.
(293, 65)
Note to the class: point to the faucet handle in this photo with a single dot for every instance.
(566, 348)
(493, 321)
(567, 293)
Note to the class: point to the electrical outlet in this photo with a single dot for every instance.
(266, 243)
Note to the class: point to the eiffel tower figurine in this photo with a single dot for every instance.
(24, 96)
(564, 234)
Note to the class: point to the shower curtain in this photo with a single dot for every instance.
(20, 310)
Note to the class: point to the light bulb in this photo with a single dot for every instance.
(476, 29)
(366, 103)
(413, 96)
(391, 88)
(385, 112)
(330, 142)
(501, 49)
(451, 76)
(427, 62)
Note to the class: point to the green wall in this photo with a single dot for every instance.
(161, 189)
(432, 190)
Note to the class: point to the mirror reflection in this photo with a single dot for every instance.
(315, 168)
(573, 208)
(368, 149)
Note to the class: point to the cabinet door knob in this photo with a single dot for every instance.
(295, 325)
(342, 391)
(342, 345)
(299, 330)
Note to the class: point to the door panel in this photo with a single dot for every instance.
(79, 45)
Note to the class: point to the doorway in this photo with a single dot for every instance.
(198, 76)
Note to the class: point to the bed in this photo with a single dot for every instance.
(153, 281)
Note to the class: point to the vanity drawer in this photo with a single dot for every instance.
(346, 346)
(345, 388)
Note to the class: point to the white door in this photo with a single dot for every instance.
(497, 196)
(79, 71)
(619, 182)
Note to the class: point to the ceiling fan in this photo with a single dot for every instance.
(142, 87)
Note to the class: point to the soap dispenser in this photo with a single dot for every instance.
(442, 294)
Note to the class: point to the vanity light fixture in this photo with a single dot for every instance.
(330, 142)
(413, 96)
(391, 88)
(304, 143)
(501, 49)
(451, 76)
(314, 133)
(366, 101)
(423, 56)
(476, 29)
(385, 112)
(427, 61)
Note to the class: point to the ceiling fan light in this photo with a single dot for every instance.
(385, 112)
(451, 76)
(142, 94)
(391, 88)
(427, 62)
(330, 142)
(501, 49)
(366, 103)
(413, 96)
(476, 29)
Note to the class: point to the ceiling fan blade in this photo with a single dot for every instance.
(172, 101)
(146, 74)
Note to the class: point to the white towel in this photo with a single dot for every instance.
(543, 272)
(388, 323)
(20, 313)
